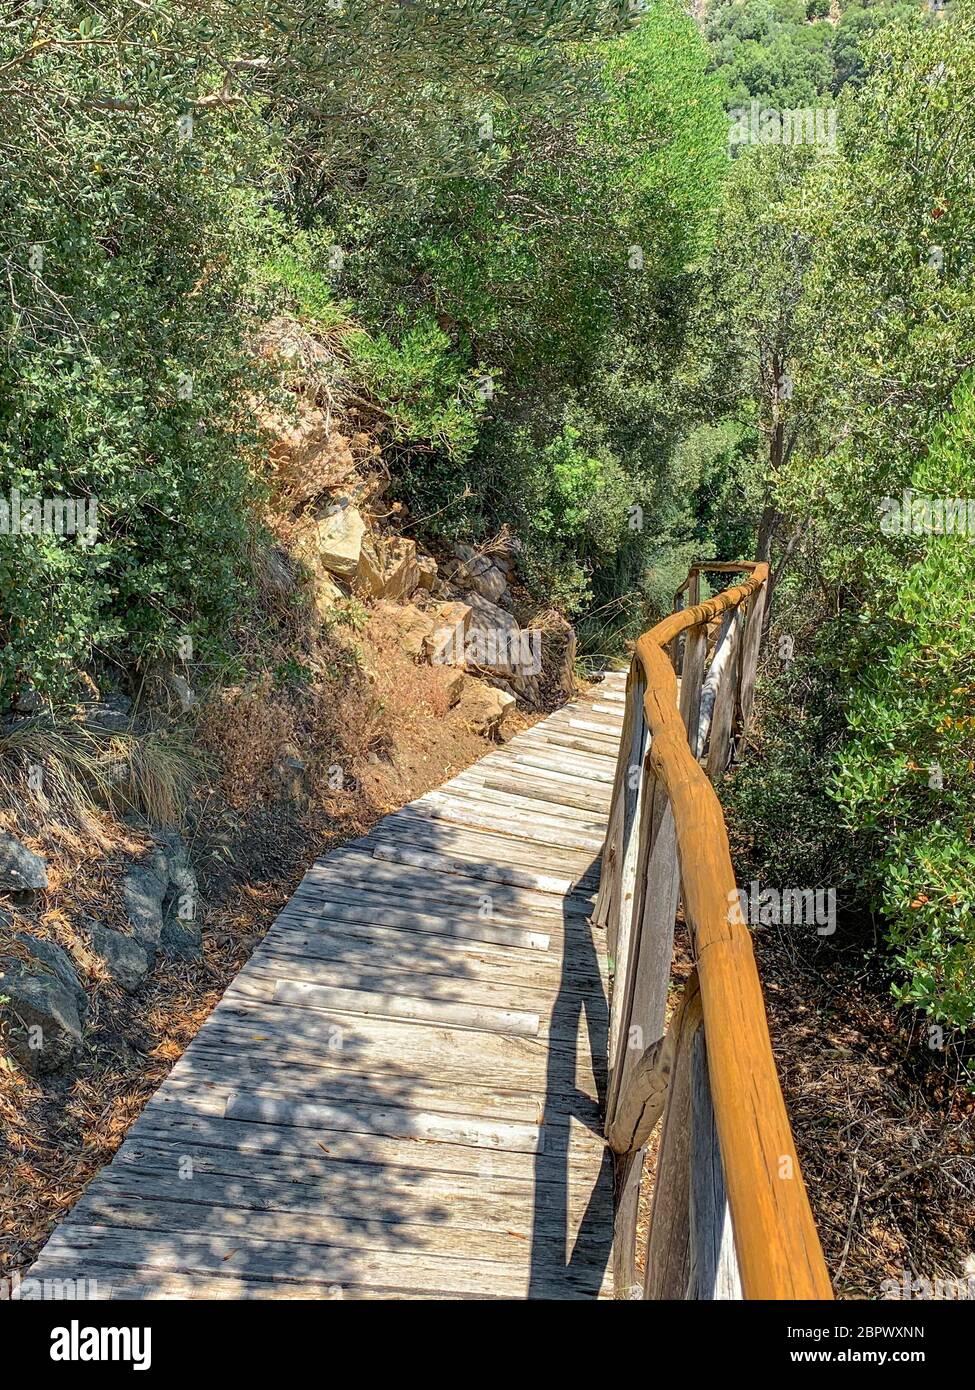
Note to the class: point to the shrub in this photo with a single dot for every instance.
(904, 779)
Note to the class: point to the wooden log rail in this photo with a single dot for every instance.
(730, 1215)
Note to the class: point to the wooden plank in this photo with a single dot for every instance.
(450, 1014)
(373, 881)
(374, 953)
(641, 993)
(695, 653)
(712, 684)
(490, 873)
(88, 1247)
(713, 1270)
(726, 702)
(396, 1122)
(527, 996)
(633, 851)
(755, 616)
(468, 929)
(629, 1174)
(469, 830)
(113, 1283)
(349, 1159)
(448, 1231)
(668, 1241)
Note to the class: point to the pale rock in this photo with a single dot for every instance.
(339, 541)
(413, 625)
(388, 568)
(325, 594)
(401, 572)
(487, 709)
(369, 575)
(426, 572)
(450, 623)
(451, 680)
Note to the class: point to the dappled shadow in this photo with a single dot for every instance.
(361, 1112)
(573, 1261)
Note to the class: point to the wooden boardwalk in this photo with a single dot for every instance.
(399, 1095)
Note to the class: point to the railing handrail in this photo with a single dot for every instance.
(776, 1243)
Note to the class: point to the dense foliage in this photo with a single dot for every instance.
(865, 301)
(508, 205)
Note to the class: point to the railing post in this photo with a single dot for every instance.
(668, 1244)
(713, 1270)
(726, 701)
(749, 659)
(630, 887)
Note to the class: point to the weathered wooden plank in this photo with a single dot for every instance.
(444, 1013)
(464, 868)
(524, 995)
(640, 993)
(470, 928)
(726, 702)
(712, 684)
(449, 1230)
(345, 1159)
(713, 1270)
(668, 1241)
(755, 616)
(373, 953)
(396, 1122)
(89, 1246)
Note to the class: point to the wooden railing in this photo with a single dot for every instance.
(730, 1217)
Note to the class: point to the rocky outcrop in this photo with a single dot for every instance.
(446, 642)
(307, 456)
(426, 569)
(414, 626)
(144, 890)
(478, 573)
(388, 568)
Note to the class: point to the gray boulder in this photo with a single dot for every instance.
(21, 871)
(182, 938)
(144, 890)
(48, 957)
(162, 901)
(41, 1026)
(125, 958)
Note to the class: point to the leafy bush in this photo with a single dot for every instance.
(904, 779)
(123, 374)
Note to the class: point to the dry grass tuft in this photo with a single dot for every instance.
(75, 774)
